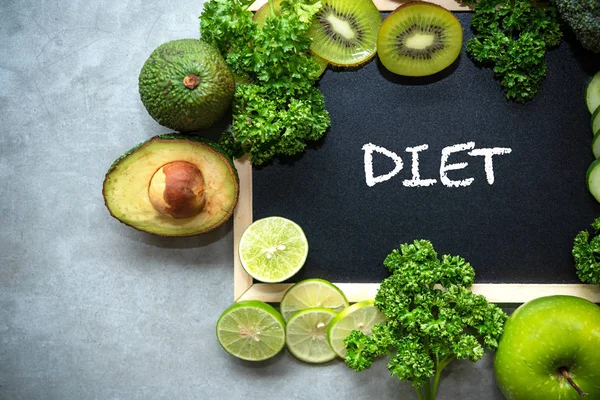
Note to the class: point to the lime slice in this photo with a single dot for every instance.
(312, 293)
(273, 249)
(361, 316)
(251, 330)
(306, 335)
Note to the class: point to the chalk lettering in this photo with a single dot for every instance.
(416, 176)
(489, 164)
(369, 148)
(445, 167)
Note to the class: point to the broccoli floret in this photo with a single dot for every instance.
(583, 16)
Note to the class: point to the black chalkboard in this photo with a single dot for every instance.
(517, 230)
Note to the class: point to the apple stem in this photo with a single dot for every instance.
(565, 372)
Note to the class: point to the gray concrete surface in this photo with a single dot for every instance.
(91, 309)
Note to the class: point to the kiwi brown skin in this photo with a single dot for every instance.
(439, 73)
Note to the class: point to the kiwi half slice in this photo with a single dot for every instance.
(344, 32)
(419, 39)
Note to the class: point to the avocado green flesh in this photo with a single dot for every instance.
(126, 186)
(166, 97)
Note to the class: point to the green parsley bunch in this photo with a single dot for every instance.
(276, 107)
(586, 254)
(432, 318)
(512, 36)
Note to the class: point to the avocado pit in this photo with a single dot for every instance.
(177, 190)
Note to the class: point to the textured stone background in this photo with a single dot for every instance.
(91, 309)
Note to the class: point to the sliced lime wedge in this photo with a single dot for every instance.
(273, 249)
(251, 330)
(306, 335)
(361, 316)
(312, 293)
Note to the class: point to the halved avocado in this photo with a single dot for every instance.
(172, 185)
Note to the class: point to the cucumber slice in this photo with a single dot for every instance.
(593, 179)
(596, 144)
(592, 93)
(596, 120)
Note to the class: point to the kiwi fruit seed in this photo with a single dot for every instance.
(419, 39)
(344, 32)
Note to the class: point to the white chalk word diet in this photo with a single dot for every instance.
(445, 164)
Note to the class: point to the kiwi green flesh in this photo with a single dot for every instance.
(264, 12)
(344, 32)
(419, 39)
(322, 64)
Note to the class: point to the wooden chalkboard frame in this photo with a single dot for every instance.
(246, 289)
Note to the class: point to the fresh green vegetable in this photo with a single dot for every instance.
(592, 93)
(595, 122)
(512, 36)
(432, 318)
(586, 253)
(592, 179)
(362, 316)
(281, 109)
(596, 144)
(583, 16)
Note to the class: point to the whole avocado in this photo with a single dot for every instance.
(186, 85)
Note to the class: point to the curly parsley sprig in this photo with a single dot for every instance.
(512, 36)
(279, 109)
(586, 253)
(432, 318)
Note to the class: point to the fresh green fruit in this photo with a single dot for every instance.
(362, 316)
(186, 85)
(596, 120)
(251, 330)
(312, 293)
(592, 93)
(172, 185)
(596, 144)
(593, 179)
(323, 64)
(273, 249)
(306, 335)
(545, 341)
(419, 39)
(344, 32)
(264, 12)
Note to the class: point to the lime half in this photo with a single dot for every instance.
(361, 316)
(251, 330)
(306, 335)
(273, 249)
(312, 293)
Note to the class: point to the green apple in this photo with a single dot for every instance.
(550, 350)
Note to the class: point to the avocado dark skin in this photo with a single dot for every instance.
(186, 85)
